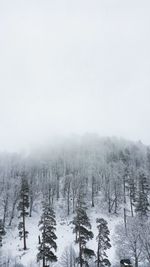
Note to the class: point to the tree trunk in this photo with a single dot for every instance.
(125, 219)
(12, 212)
(49, 195)
(92, 191)
(73, 201)
(131, 205)
(109, 204)
(31, 206)
(68, 201)
(44, 241)
(116, 199)
(124, 196)
(43, 261)
(5, 209)
(24, 227)
(98, 259)
(57, 186)
(80, 249)
(136, 261)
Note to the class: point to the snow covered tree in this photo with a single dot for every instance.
(131, 187)
(67, 190)
(2, 231)
(74, 188)
(145, 239)
(83, 233)
(32, 189)
(129, 242)
(14, 199)
(103, 243)
(5, 201)
(68, 258)
(142, 204)
(48, 244)
(23, 209)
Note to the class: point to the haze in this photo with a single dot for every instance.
(73, 67)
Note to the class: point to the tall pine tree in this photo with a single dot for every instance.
(103, 243)
(23, 209)
(48, 244)
(83, 233)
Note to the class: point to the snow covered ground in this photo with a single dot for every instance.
(12, 246)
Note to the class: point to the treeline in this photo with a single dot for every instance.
(116, 170)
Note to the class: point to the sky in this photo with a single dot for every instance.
(73, 67)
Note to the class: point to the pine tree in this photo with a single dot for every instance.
(2, 232)
(142, 204)
(48, 239)
(82, 228)
(103, 243)
(23, 209)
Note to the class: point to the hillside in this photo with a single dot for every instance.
(111, 176)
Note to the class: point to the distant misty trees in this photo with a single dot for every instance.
(107, 167)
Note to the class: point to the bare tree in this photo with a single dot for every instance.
(68, 258)
(129, 241)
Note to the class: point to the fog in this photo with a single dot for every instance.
(73, 67)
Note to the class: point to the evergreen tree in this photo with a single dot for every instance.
(48, 244)
(82, 228)
(23, 209)
(103, 243)
(142, 204)
(2, 232)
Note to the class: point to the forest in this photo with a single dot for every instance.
(79, 202)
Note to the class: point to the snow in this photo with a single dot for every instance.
(12, 245)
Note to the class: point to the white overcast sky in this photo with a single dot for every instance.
(73, 66)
